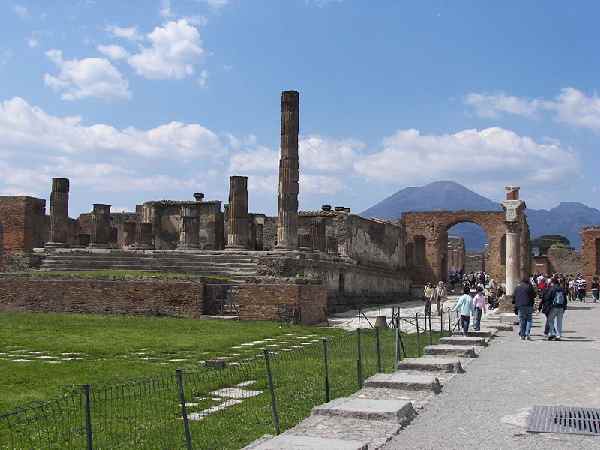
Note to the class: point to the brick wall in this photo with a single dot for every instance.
(261, 301)
(23, 222)
(170, 298)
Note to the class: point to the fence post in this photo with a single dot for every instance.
(87, 405)
(186, 423)
(359, 374)
(418, 335)
(378, 345)
(396, 347)
(272, 389)
(326, 364)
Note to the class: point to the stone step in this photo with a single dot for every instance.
(294, 442)
(487, 333)
(464, 340)
(367, 409)
(432, 364)
(451, 350)
(502, 327)
(400, 380)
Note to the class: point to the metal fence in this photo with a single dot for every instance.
(215, 408)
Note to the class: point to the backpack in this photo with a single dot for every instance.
(559, 298)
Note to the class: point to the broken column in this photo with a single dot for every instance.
(128, 238)
(318, 235)
(100, 226)
(287, 204)
(59, 213)
(237, 234)
(189, 227)
(513, 208)
(143, 236)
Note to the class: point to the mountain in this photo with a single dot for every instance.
(566, 219)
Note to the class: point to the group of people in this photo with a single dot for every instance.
(574, 286)
(471, 304)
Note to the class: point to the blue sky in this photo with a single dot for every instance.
(154, 99)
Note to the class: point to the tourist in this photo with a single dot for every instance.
(464, 306)
(546, 304)
(555, 302)
(440, 296)
(580, 285)
(524, 298)
(479, 307)
(428, 293)
(595, 289)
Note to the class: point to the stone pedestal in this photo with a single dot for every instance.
(59, 213)
(189, 228)
(143, 236)
(101, 227)
(237, 235)
(289, 166)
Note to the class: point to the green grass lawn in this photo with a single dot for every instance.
(109, 344)
(146, 413)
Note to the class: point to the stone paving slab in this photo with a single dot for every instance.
(408, 381)
(418, 398)
(464, 340)
(502, 326)
(367, 409)
(463, 351)
(485, 333)
(235, 392)
(295, 442)
(452, 365)
(376, 432)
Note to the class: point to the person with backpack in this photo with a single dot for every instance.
(556, 304)
(464, 306)
(595, 289)
(524, 298)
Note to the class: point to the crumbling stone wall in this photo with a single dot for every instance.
(24, 223)
(265, 301)
(564, 260)
(590, 252)
(161, 298)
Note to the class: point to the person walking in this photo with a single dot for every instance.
(440, 296)
(464, 306)
(479, 307)
(555, 302)
(580, 286)
(429, 290)
(595, 289)
(524, 298)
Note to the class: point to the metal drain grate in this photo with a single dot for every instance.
(564, 419)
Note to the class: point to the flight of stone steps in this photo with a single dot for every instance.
(237, 267)
(387, 402)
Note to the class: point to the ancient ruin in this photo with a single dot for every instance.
(353, 260)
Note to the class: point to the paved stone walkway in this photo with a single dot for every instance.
(487, 407)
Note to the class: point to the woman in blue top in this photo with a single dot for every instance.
(464, 306)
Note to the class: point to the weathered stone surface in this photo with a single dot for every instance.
(502, 326)
(434, 364)
(451, 350)
(399, 380)
(486, 333)
(59, 212)
(461, 340)
(293, 442)
(238, 225)
(358, 408)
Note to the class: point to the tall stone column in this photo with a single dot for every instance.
(287, 203)
(513, 208)
(189, 228)
(59, 213)
(513, 262)
(237, 233)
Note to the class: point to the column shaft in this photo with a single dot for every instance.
(237, 235)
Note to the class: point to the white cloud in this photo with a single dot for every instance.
(320, 184)
(256, 160)
(216, 4)
(165, 9)
(32, 42)
(571, 106)
(472, 157)
(84, 78)
(175, 50)
(493, 105)
(328, 155)
(129, 33)
(203, 79)
(25, 128)
(113, 51)
(21, 11)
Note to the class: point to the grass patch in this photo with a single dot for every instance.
(146, 413)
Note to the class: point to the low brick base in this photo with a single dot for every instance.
(264, 301)
(160, 298)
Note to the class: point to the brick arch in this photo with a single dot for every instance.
(434, 227)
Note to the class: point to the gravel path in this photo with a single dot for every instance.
(487, 407)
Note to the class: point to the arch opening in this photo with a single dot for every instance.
(467, 249)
